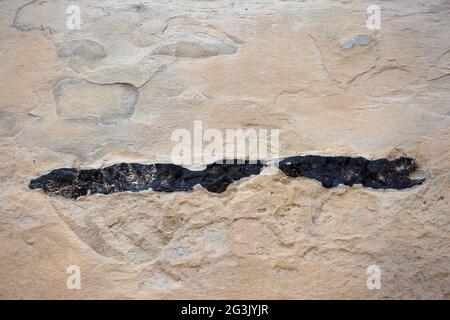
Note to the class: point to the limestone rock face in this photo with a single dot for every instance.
(194, 46)
(114, 89)
(361, 40)
(86, 49)
(81, 100)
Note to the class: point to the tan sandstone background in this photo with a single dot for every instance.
(114, 91)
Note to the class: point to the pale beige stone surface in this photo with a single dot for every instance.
(141, 69)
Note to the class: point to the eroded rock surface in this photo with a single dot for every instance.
(86, 49)
(309, 68)
(12, 122)
(195, 45)
(107, 103)
(358, 40)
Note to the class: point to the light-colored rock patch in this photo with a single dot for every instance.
(195, 45)
(106, 103)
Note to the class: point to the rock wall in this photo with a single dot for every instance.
(114, 88)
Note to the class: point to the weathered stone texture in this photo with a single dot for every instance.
(113, 92)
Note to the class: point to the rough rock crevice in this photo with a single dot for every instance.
(162, 177)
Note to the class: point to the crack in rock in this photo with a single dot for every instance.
(216, 177)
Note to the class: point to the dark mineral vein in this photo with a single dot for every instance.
(330, 171)
(333, 171)
(73, 183)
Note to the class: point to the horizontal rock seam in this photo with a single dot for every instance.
(216, 177)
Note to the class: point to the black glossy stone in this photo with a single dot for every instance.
(72, 183)
(216, 177)
(333, 171)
